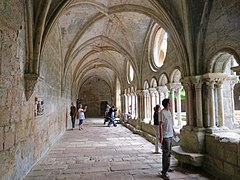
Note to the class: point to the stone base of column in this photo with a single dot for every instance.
(192, 140)
(192, 146)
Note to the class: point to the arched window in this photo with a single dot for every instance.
(130, 73)
(160, 48)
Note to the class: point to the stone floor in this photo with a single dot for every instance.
(99, 152)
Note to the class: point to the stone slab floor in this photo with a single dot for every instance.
(99, 152)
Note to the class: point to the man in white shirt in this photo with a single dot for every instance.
(166, 134)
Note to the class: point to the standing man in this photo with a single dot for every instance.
(73, 113)
(166, 134)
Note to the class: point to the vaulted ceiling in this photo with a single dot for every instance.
(99, 37)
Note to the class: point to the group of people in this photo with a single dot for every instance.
(163, 122)
(74, 113)
(110, 115)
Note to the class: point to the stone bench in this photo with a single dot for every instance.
(193, 159)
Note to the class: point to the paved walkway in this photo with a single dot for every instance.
(101, 153)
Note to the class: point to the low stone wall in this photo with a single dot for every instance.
(222, 157)
(145, 130)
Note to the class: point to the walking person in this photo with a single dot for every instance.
(107, 117)
(73, 113)
(112, 116)
(166, 134)
(156, 126)
(81, 116)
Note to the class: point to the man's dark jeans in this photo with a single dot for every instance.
(73, 121)
(167, 151)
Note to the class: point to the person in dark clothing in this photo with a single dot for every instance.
(111, 112)
(156, 126)
(73, 113)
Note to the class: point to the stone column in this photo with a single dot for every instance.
(179, 109)
(220, 103)
(189, 107)
(211, 103)
(172, 101)
(136, 105)
(159, 95)
(133, 104)
(146, 96)
(140, 105)
(233, 80)
(165, 92)
(123, 103)
(126, 103)
(152, 101)
(199, 112)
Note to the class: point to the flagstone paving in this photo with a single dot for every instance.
(99, 152)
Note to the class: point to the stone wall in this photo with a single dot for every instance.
(92, 93)
(25, 137)
(223, 156)
(16, 115)
(223, 29)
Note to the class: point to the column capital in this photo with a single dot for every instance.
(146, 92)
(174, 86)
(214, 77)
(187, 82)
(140, 92)
(197, 81)
(152, 90)
(162, 89)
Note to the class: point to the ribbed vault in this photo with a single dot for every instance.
(99, 37)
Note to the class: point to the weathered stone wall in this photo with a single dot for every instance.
(223, 29)
(52, 123)
(223, 156)
(16, 115)
(92, 93)
(25, 138)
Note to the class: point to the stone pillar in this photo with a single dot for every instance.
(133, 104)
(161, 90)
(199, 112)
(123, 103)
(165, 92)
(172, 101)
(179, 109)
(136, 106)
(193, 134)
(148, 106)
(152, 101)
(187, 84)
(220, 103)
(146, 96)
(140, 105)
(211, 103)
(126, 103)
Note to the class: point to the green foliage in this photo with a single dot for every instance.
(182, 92)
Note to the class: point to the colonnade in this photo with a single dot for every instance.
(205, 99)
(143, 102)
